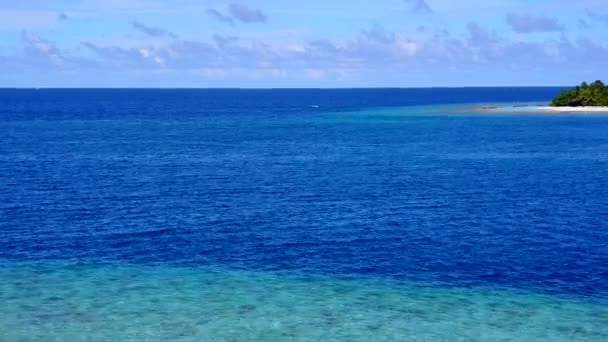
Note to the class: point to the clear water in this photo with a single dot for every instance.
(300, 215)
(193, 304)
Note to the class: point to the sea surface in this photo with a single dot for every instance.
(300, 215)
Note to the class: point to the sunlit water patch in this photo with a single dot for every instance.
(119, 303)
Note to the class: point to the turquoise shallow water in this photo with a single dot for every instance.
(165, 303)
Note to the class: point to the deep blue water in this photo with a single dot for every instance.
(186, 104)
(259, 179)
(302, 215)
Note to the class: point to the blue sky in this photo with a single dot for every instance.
(282, 43)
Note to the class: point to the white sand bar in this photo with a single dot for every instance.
(573, 109)
(539, 109)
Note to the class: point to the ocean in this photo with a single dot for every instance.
(300, 215)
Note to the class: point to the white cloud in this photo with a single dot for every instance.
(41, 50)
(408, 47)
(227, 56)
(532, 23)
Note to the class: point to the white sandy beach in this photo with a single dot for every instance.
(572, 109)
(539, 109)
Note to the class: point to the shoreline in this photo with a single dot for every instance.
(533, 108)
(591, 109)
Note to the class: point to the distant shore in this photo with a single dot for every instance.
(574, 109)
(538, 109)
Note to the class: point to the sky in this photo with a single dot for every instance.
(294, 43)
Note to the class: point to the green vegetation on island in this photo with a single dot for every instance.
(585, 95)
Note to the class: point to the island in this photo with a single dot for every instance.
(585, 98)
(585, 95)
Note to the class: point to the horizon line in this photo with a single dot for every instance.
(275, 88)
